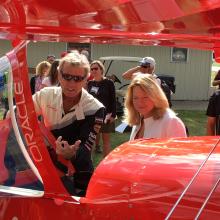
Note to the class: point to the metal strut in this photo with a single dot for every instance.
(191, 182)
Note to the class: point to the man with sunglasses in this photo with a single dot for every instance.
(72, 115)
(147, 65)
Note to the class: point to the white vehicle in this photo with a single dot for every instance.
(115, 63)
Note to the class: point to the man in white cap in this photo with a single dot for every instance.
(147, 65)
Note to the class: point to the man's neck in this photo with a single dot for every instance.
(69, 102)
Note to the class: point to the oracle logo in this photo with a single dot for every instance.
(22, 114)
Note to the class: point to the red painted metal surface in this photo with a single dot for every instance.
(143, 179)
(5, 125)
(150, 176)
(139, 180)
(182, 23)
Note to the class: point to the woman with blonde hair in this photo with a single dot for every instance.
(52, 78)
(147, 110)
(42, 70)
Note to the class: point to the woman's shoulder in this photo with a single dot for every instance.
(46, 81)
(107, 80)
(169, 115)
(90, 81)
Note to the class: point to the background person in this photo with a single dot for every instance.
(51, 58)
(147, 110)
(103, 89)
(2, 87)
(213, 113)
(216, 81)
(147, 65)
(72, 115)
(42, 70)
(52, 77)
(86, 53)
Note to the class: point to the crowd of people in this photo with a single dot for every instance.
(81, 107)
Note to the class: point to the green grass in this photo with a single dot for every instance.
(194, 120)
(216, 64)
(1, 113)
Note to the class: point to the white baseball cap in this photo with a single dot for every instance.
(148, 60)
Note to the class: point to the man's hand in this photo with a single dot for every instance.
(108, 118)
(66, 150)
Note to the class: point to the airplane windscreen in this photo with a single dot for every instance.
(14, 169)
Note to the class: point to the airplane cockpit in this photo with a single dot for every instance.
(27, 147)
(16, 167)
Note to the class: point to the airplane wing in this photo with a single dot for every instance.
(193, 24)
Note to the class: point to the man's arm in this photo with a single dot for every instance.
(216, 82)
(37, 101)
(129, 73)
(87, 135)
(84, 134)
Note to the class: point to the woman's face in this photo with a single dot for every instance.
(96, 71)
(142, 102)
(45, 71)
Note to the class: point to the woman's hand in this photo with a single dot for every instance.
(66, 150)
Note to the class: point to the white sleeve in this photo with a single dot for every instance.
(37, 98)
(175, 128)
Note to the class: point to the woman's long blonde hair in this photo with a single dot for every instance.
(40, 67)
(149, 84)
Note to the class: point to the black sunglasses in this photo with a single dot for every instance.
(95, 68)
(69, 77)
(145, 66)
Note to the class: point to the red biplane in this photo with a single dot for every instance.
(144, 179)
